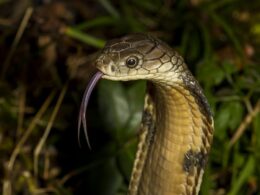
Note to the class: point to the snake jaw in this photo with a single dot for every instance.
(84, 104)
(119, 72)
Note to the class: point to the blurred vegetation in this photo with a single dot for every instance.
(46, 49)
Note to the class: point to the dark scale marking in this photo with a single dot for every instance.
(194, 159)
(147, 118)
(148, 121)
(199, 97)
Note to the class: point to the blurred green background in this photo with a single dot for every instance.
(46, 48)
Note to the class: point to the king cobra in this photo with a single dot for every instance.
(177, 125)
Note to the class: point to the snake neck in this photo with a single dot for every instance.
(175, 139)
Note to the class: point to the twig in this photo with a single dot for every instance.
(7, 182)
(21, 109)
(242, 127)
(29, 130)
(17, 38)
(43, 139)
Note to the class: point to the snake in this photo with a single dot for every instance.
(176, 129)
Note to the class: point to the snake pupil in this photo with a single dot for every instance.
(132, 62)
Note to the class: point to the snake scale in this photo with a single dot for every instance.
(177, 125)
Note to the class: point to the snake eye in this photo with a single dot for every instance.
(132, 62)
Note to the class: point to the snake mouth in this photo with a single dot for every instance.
(84, 104)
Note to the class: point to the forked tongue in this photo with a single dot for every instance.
(84, 103)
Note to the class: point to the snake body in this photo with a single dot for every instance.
(177, 125)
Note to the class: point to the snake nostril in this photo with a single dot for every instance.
(113, 69)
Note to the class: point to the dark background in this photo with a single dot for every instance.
(46, 48)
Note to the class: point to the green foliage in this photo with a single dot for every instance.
(124, 117)
(90, 40)
(220, 43)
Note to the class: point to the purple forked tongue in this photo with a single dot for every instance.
(84, 103)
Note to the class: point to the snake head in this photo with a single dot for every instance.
(133, 57)
(138, 56)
